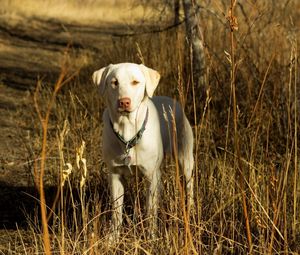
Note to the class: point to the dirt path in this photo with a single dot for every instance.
(32, 48)
(35, 47)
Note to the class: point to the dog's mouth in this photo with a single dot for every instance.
(124, 112)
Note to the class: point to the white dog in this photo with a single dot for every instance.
(138, 131)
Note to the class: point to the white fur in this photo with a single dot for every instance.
(137, 83)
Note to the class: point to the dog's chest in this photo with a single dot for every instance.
(131, 157)
(144, 155)
(128, 157)
(126, 145)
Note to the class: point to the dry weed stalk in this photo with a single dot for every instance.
(232, 19)
(44, 120)
(81, 163)
(81, 166)
(189, 246)
(294, 64)
(64, 175)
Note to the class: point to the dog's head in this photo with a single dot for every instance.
(125, 85)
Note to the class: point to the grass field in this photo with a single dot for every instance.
(246, 128)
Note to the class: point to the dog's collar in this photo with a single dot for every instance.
(134, 140)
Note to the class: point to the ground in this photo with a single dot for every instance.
(32, 47)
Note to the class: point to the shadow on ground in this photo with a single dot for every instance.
(17, 205)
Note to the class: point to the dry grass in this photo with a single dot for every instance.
(82, 12)
(247, 157)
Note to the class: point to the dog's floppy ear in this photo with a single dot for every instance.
(152, 78)
(99, 78)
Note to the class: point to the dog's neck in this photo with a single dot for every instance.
(127, 125)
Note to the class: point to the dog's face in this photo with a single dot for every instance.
(125, 85)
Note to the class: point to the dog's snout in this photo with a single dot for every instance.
(124, 103)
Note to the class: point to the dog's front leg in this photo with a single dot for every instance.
(117, 198)
(152, 200)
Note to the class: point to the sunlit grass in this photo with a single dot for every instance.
(97, 12)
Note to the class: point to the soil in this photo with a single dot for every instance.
(31, 49)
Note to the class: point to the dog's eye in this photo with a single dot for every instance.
(114, 82)
(135, 82)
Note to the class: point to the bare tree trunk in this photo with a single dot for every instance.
(196, 45)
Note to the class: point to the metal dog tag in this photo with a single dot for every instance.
(127, 160)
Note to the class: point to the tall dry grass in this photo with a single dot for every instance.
(246, 142)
